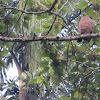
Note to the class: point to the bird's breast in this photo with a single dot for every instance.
(85, 25)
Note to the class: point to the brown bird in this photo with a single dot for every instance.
(85, 26)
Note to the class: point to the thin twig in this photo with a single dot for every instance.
(51, 25)
(38, 2)
(92, 50)
(63, 6)
(53, 5)
(76, 62)
(56, 17)
(35, 13)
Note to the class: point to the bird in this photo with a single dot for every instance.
(85, 26)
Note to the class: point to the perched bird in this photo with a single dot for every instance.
(85, 26)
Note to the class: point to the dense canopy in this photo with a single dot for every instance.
(40, 38)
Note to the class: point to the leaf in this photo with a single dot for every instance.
(98, 43)
(12, 35)
(56, 31)
(98, 1)
(56, 6)
(96, 29)
(48, 59)
(97, 50)
(27, 17)
(60, 24)
(2, 64)
(14, 11)
(44, 63)
(80, 96)
(52, 73)
(2, 26)
(50, 68)
(94, 65)
(98, 58)
(91, 13)
(37, 30)
(63, 98)
(97, 79)
(76, 94)
(46, 83)
(47, 24)
(31, 2)
(82, 5)
(40, 79)
(10, 1)
(8, 45)
(80, 58)
(91, 42)
(49, 2)
(5, 52)
(44, 15)
(32, 81)
(59, 1)
(25, 24)
(1, 55)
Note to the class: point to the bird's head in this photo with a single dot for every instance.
(85, 14)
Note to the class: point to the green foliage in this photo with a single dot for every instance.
(82, 5)
(47, 24)
(46, 15)
(14, 12)
(32, 81)
(37, 30)
(2, 26)
(91, 42)
(3, 54)
(49, 1)
(31, 2)
(70, 68)
(57, 65)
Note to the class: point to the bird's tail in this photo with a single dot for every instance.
(86, 41)
(79, 40)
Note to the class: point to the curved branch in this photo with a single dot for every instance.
(49, 38)
(54, 3)
(23, 11)
(35, 13)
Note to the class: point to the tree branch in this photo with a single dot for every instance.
(51, 25)
(54, 3)
(23, 11)
(35, 13)
(50, 38)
